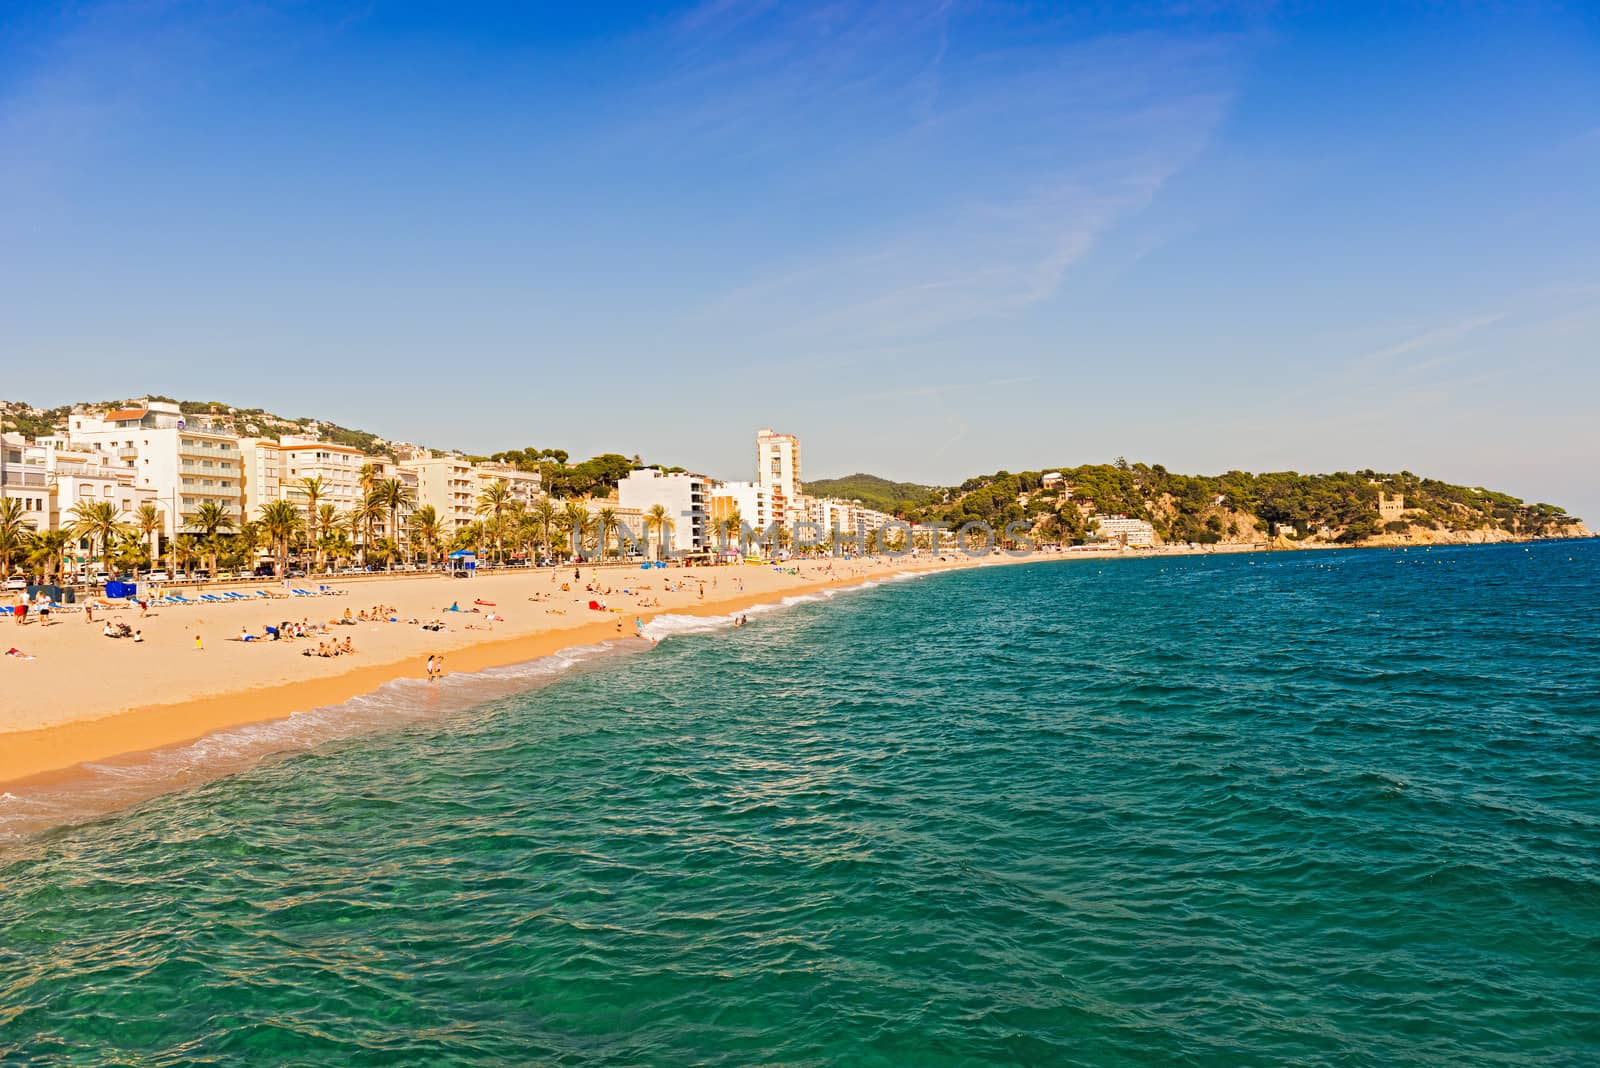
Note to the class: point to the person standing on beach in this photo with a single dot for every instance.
(199, 646)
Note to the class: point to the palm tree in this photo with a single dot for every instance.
(313, 489)
(132, 551)
(576, 516)
(732, 527)
(657, 518)
(385, 550)
(468, 536)
(49, 551)
(211, 519)
(543, 514)
(150, 522)
(325, 531)
(100, 522)
(185, 553)
(248, 541)
(15, 534)
(363, 514)
(606, 521)
(280, 521)
(427, 529)
(493, 503)
(392, 494)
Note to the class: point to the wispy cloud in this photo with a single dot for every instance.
(979, 172)
(1436, 365)
(1436, 337)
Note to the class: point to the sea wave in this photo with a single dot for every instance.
(97, 788)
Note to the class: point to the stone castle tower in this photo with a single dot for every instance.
(1389, 508)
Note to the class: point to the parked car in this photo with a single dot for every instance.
(18, 583)
(158, 576)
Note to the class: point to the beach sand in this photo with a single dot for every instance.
(85, 697)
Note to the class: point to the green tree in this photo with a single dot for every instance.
(658, 519)
(493, 504)
(211, 519)
(15, 534)
(543, 515)
(576, 517)
(100, 522)
(312, 490)
(150, 522)
(186, 551)
(606, 524)
(48, 552)
(280, 522)
(392, 495)
(363, 517)
(427, 530)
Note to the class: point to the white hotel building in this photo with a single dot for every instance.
(1131, 532)
(183, 466)
(685, 498)
(338, 466)
(778, 473)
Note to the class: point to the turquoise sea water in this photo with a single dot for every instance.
(1298, 808)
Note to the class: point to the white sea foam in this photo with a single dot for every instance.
(96, 789)
(674, 625)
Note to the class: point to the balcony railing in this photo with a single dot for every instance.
(200, 448)
(23, 479)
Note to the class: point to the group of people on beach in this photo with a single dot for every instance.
(331, 648)
(375, 614)
(114, 629)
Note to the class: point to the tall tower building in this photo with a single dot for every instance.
(778, 472)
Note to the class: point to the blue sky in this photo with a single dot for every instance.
(932, 239)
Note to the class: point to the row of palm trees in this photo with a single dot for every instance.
(312, 526)
(505, 521)
(117, 543)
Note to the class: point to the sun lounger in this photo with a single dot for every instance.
(211, 598)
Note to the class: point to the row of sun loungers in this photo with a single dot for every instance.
(235, 595)
(178, 600)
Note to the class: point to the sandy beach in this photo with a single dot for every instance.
(86, 697)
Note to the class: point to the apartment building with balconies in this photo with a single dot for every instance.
(184, 463)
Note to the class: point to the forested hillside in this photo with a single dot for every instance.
(1241, 506)
(875, 492)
